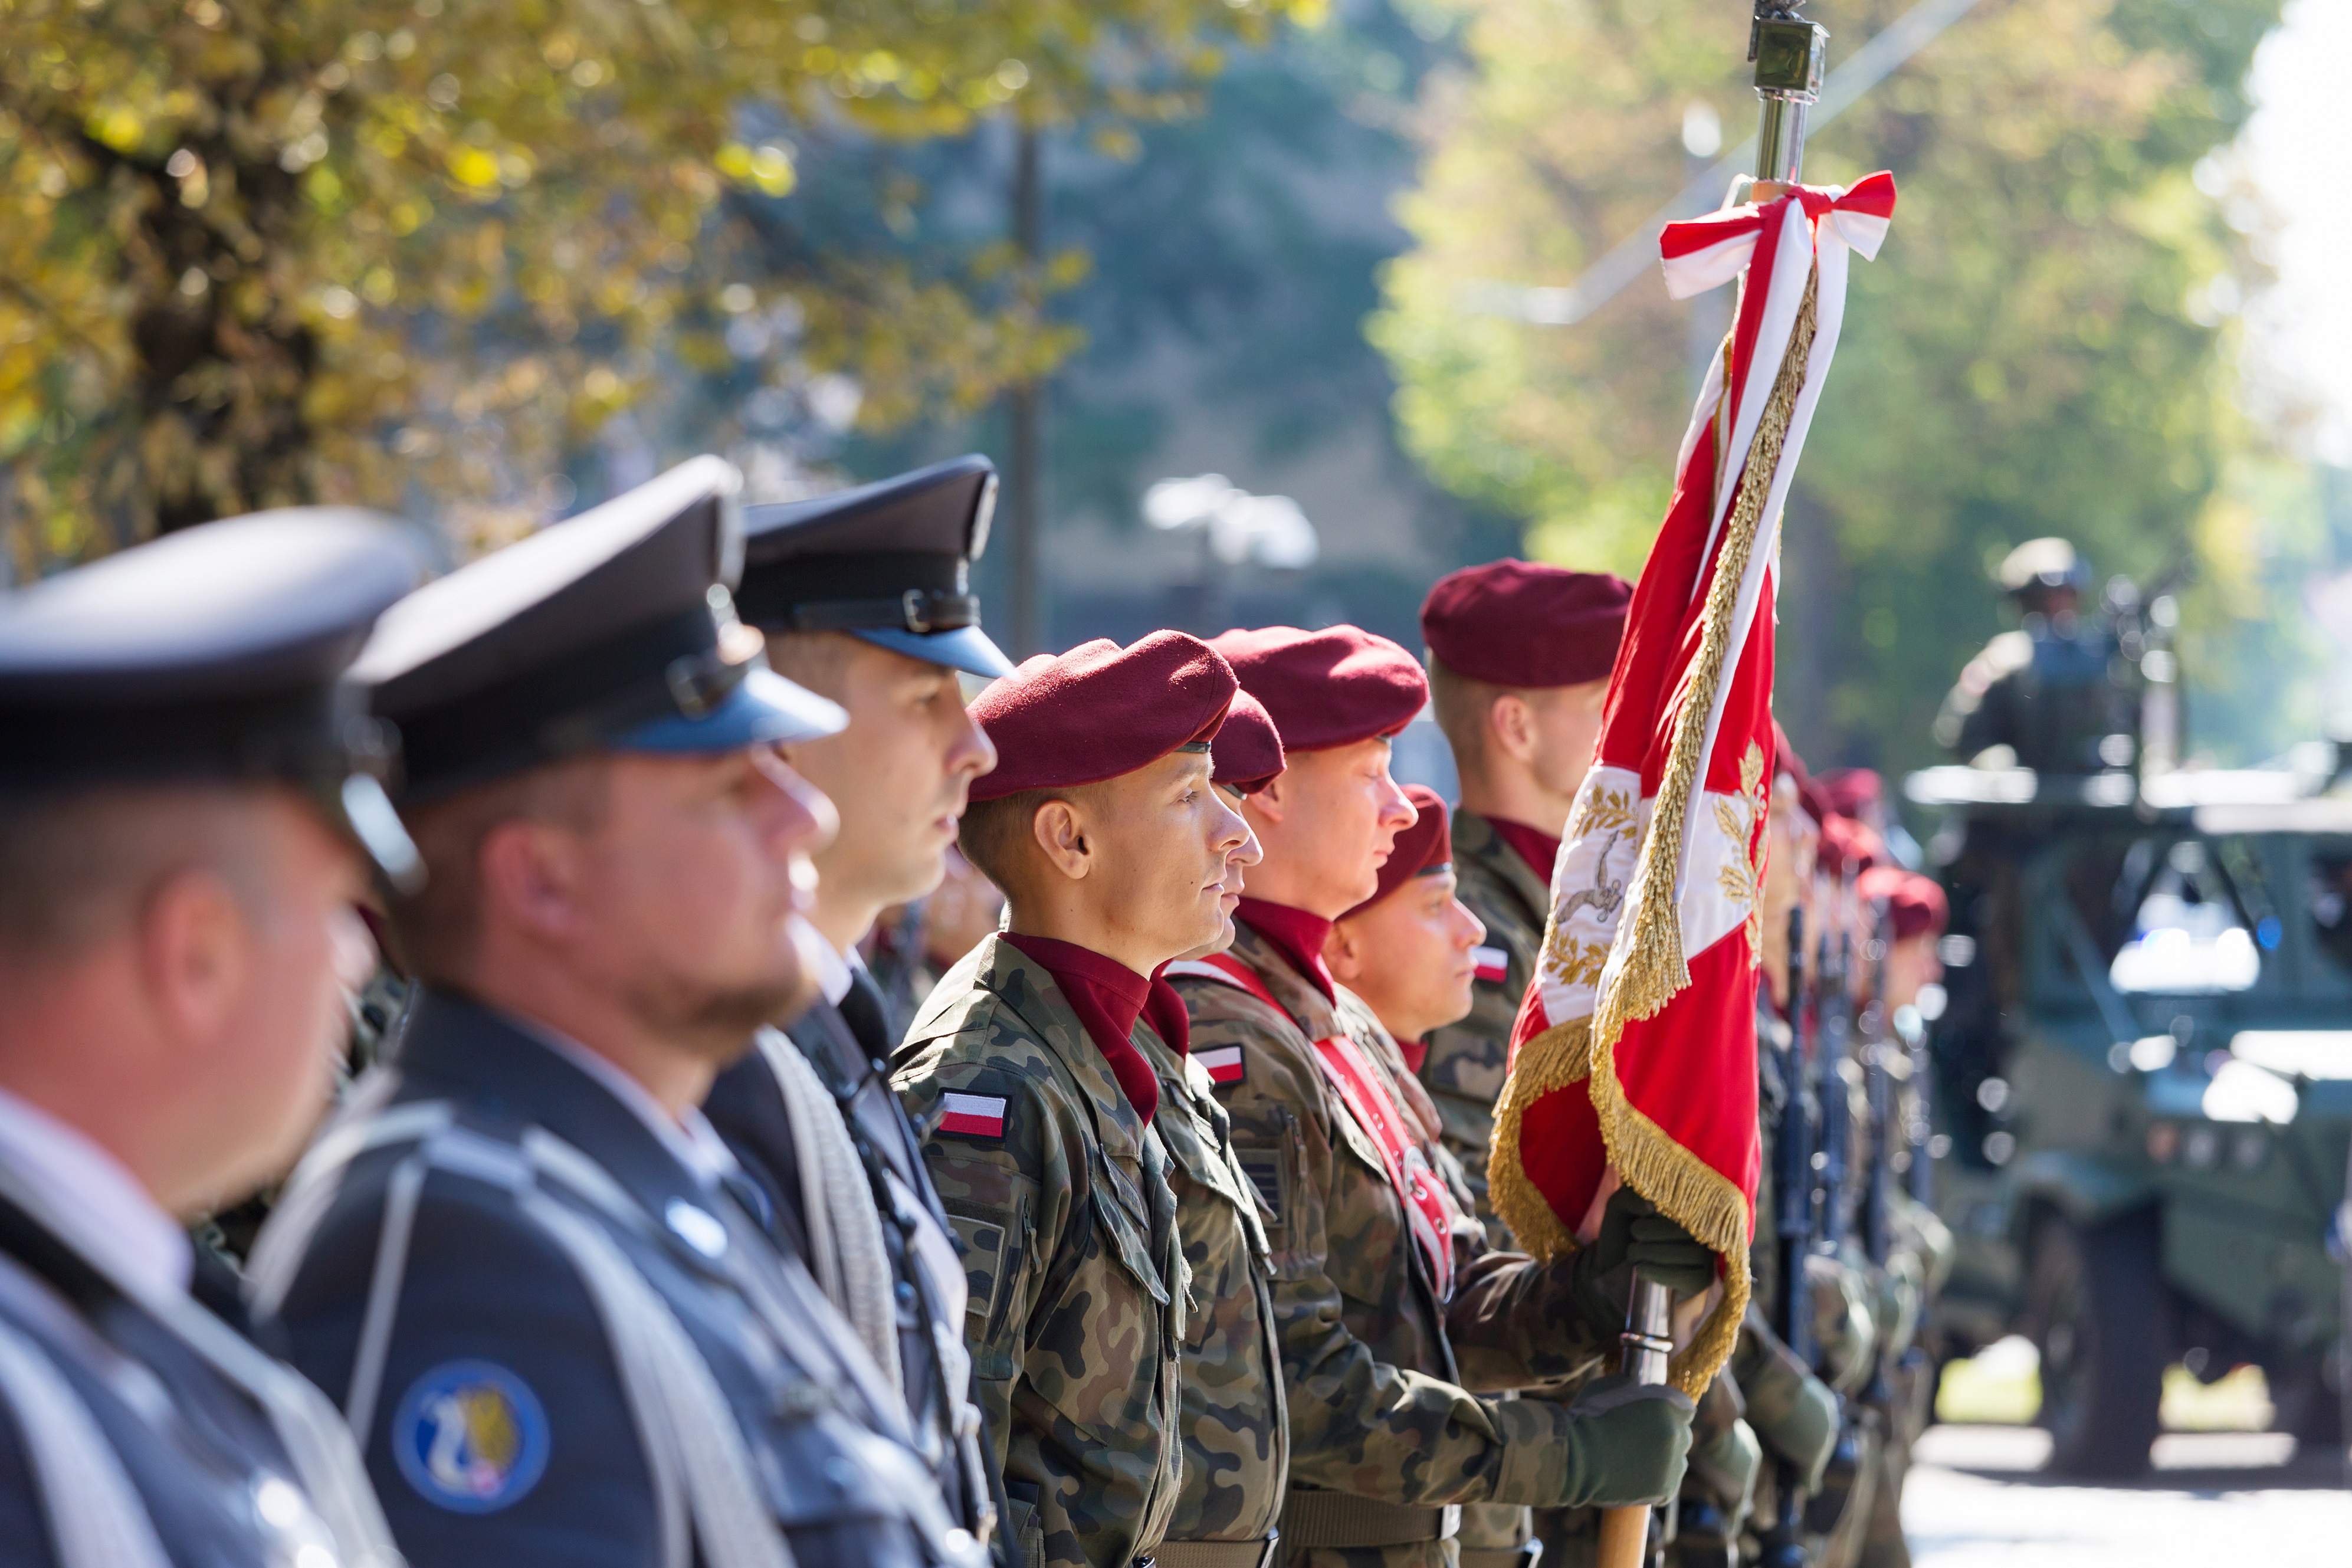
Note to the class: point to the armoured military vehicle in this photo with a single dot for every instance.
(2143, 1085)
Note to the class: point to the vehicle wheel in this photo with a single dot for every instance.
(2094, 1310)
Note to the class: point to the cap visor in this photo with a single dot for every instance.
(966, 649)
(765, 709)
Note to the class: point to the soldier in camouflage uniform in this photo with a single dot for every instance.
(1380, 1349)
(1519, 656)
(1026, 1067)
(1236, 1424)
(1410, 954)
(1518, 666)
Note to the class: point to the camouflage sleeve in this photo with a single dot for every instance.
(1007, 1193)
(1358, 1422)
(1515, 1322)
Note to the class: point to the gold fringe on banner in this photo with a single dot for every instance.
(1645, 1155)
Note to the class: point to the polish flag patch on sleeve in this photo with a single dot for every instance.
(1223, 1063)
(1493, 964)
(972, 1115)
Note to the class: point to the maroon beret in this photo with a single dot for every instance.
(1426, 846)
(1248, 752)
(1850, 846)
(1521, 623)
(1914, 904)
(1326, 688)
(1853, 791)
(1099, 710)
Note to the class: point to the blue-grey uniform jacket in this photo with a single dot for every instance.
(556, 1343)
(135, 1437)
(747, 1109)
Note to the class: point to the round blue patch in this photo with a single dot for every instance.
(470, 1436)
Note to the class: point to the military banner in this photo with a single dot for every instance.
(1634, 1049)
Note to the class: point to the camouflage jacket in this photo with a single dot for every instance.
(1378, 1402)
(1467, 1061)
(1059, 1198)
(1236, 1426)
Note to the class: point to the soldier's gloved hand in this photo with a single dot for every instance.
(1796, 1414)
(1633, 1231)
(1636, 1442)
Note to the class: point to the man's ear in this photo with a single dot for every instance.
(1343, 955)
(1511, 725)
(195, 953)
(1060, 830)
(530, 874)
(1269, 802)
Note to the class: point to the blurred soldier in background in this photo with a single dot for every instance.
(2044, 692)
(861, 596)
(1918, 1246)
(1114, 850)
(524, 1261)
(179, 783)
(1365, 1240)
(1519, 656)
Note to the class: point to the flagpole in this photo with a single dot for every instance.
(1788, 52)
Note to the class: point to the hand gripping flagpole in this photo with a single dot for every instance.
(1788, 52)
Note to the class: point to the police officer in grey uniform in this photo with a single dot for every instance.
(865, 598)
(180, 785)
(522, 1261)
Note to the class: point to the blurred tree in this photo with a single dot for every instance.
(2041, 348)
(262, 251)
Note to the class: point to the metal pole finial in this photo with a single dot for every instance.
(1788, 52)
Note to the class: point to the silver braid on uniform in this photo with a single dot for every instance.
(846, 1251)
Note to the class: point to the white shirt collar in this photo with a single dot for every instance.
(690, 1139)
(104, 1211)
(833, 972)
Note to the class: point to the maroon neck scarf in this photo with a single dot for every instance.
(1107, 996)
(1295, 935)
(1538, 848)
(1164, 1011)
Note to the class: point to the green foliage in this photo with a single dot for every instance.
(260, 251)
(2026, 356)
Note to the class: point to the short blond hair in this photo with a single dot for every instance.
(1462, 705)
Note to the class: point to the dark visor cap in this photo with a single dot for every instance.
(889, 562)
(613, 630)
(211, 656)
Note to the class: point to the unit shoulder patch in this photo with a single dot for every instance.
(1493, 964)
(470, 1436)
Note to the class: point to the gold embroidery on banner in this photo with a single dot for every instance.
(1742, 876)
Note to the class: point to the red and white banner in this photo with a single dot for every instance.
(1634, 1050)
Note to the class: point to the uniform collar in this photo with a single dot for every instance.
(835, 972)
(94, 1201)
(1036, 998)
(1476, 842)
(458, 1047)
(1314, 1013)
(1295, 935)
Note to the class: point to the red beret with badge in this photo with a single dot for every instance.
(1247, 753)
(1915, 906)
(1099, 710)
(1521, 623)
(1329, 687)
(1427, 845)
